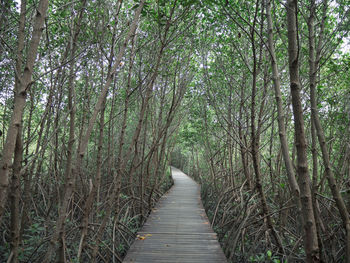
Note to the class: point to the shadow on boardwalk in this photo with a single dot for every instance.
(177, 230)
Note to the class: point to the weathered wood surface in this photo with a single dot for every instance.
(178, 229)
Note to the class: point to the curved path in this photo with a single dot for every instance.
(178, 229)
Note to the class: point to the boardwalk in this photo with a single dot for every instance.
(178, 229)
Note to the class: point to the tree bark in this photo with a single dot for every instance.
(20, 101)
(313, 69)
(281, 126)
(95, 186)
(15, 198)
(58, 234)
(310, 240)
(18, 154)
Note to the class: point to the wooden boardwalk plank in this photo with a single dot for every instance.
(178, 229)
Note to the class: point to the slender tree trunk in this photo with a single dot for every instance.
(255, 146)
(110, 76)
(95, 186)
(314, 63)
(229, 142)
(314, 186)
(15, 198)
(145, 102)
(69, 170)
(83, 146)
(58, 235)
(97, 180)
(310, 240)
(281, 126)
(243, 145)
(28, 171)
(18, 153)
(20, 101)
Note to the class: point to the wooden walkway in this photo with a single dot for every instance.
(177, 230)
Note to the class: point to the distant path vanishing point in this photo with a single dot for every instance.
(178, 229)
